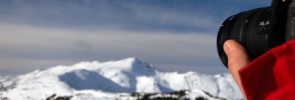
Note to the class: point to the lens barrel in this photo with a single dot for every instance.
(252, 29)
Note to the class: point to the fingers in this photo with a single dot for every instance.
(237, 59)
(236, 54)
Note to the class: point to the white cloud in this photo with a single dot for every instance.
(48, 46)
(108, 14)
(47, 33)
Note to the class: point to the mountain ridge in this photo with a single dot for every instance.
(110, 79)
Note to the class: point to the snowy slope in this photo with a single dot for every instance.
(115, 80)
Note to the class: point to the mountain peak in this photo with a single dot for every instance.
(130, 62)
(133, 65)
(139, 67)
(110, 79)
(132, 59)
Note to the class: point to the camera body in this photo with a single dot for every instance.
(259, 30)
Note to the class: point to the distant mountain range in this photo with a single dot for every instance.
(127, 79)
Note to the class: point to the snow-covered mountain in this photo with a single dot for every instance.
(114, 80)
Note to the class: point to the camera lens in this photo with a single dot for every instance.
(252, 29)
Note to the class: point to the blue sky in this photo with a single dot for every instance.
(173, 35)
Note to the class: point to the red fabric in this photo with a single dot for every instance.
(272, 75)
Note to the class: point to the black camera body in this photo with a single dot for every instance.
(259, 30)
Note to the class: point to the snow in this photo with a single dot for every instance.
(115, 80)
(147, 85)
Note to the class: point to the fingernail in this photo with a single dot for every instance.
(227, 48)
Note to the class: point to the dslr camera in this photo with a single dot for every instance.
(259, 30)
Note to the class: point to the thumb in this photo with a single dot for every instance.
(236, 54)
(237, 59)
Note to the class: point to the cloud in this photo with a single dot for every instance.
(34, 43)
(133, 15)
(140, 15)
(178, 33)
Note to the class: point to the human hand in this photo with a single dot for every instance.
(237, 59)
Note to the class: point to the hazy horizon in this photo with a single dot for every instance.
(174, 35)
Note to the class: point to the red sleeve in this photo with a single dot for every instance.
(272, 75)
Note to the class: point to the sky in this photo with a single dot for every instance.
(172, 35)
